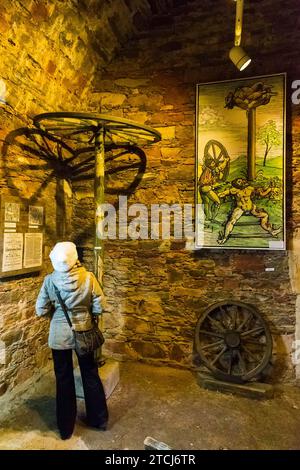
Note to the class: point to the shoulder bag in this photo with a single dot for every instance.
(85, 341)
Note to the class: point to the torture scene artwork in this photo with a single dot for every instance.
(240, 164)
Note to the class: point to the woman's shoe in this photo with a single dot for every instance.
(101, 427)
(65, 436)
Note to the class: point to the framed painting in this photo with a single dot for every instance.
(240, 164)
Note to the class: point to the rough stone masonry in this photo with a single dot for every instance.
(50, 52)
(140, 60)
(157, 290)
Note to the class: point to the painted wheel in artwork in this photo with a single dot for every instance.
(216, 157)
(233, 341)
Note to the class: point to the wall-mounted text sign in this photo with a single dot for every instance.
(21, 236)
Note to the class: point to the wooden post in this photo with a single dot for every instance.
(99, 199)
(251, 150)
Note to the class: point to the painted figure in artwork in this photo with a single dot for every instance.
(243, 193)
(249, 97)
(241, 163)
(215, 171)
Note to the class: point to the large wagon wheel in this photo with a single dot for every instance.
(233, 341)
(84, 127)
(101, 130)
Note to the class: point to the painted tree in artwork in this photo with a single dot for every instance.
(269, 136)
(249, 98)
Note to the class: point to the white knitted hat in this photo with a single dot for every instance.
(63, 256)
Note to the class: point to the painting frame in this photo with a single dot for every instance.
(240, 164)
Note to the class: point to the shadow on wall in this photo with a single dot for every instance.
(49, 168)
(124, 169)
(38, 172)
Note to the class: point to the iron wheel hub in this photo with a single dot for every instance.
(232, 339)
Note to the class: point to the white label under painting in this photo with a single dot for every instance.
(33, 250)
(10, 225)
(12, 252)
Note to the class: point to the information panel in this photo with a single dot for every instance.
(21, 237)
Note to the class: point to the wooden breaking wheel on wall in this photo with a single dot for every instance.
(233, 341)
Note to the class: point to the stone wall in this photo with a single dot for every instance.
(50, 52)
(156, 291)
(66, 55)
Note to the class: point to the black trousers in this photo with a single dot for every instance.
(95, 401)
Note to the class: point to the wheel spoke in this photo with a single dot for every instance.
(212, 345)
(216, 323)
(130, 130)
(241, 362)
(46, 143)
(249, 353)
(211, 333)
(230, 362)
(219, 355)
(123, 137)
(130, 136)
(59, 151)
(84, 162)
(232, 314)
(254, 330)
(245, 321)
(214, 151)
(83, 169)
(225, 313)
(222, 323)
(219, 155)
(222, 310)
(235, 316)
(46, 152)
(114, 157)
(253, 341)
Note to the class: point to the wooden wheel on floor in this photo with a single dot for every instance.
(233, 341)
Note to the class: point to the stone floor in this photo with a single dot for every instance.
(166, 404)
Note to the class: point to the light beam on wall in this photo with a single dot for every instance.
(2, 91)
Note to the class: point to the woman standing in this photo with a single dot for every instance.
(82, 297)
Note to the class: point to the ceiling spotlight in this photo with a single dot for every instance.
(239, 57)
(237, 54)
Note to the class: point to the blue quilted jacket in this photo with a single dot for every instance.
(82, 296)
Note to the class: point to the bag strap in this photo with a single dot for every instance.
(64, 308)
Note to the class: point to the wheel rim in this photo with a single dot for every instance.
(233, 341)
(215, 151)
(83, 127)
